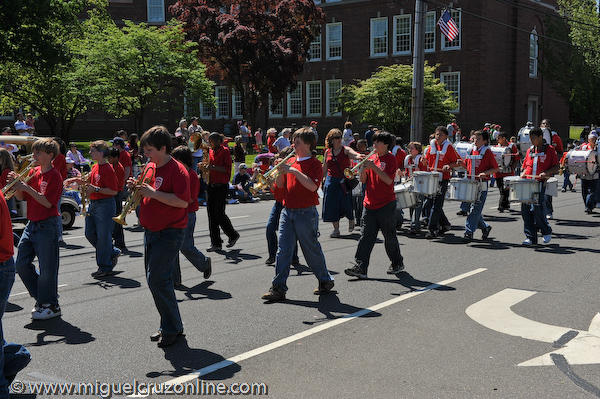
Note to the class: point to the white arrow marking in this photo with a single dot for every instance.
(495, 313)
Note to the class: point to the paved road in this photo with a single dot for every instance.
(416, 341)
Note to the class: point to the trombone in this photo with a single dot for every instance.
(267, 179)
(83, 186)
(135, 197)
(21, 177)
(351, 173)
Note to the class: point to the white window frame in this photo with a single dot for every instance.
(275, 115)
(162, 8)
(432, 15)
(328, 109)
(329, 46)
(533, 45)
(235, 99)
(317, 41)
(372, 38)
(8, 117)
(225, 90)
(443, 77)
(290, 100)
(456, 14)
(205, 108)
(395, 35)
(308, 98)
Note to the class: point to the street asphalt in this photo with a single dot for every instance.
(417, 342)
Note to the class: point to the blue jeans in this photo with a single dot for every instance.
(383, 219)
(465, 206)
(475, 219)
(301, 225)
(567, 181)
(41, 239)
(13, 357)
(415, 213)
(59, 225)
(438, 217)
(98, 231)
(588, 192)
(272, 226)
(534, 218)
(117, 233)
(161, 248)
(189, 250)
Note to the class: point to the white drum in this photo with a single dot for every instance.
(426, 183)
(552, 187)
(582, 162)
(523, 190)
(463, 147)
(523, 138)
(464, 190)
(405, 197)
(503, 157)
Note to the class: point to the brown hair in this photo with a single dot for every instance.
(47, 145)
(418, 146)
(157, 137)
(6, 161)
(307, 136)
(329, 137)
(100, 146)
(348, 125)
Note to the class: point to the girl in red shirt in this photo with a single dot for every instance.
(415, 161)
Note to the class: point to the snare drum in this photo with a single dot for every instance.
(582, 162)
(552, 187)
(462, 148)
(426, 183)
(405, 197)
(503, 157)
(522, 190)
(464, 190)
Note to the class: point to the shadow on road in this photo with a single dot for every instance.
(65, 331)
(576, 223)
(12, 307)
(328, 305)
(235, 256)
(115, 281)
(205, 292)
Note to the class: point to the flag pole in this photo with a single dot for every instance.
(417, 93)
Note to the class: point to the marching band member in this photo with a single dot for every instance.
(117, 233)
(378, 175)
(124, 156)
(540, 163)
(101, 189)
(589, 183)
(415, 161)
(40, 236)
(441, 156)
(503, 203)
(299, 218)
(163, 214)
(481, 169)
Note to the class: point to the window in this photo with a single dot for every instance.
(333, 97)
(156, 10)
(532, 109)
(454, 44)
(9, 116)
(533, 54)
(236, 101)
(314, 52)
(452, 82)
(278, 112)
(222, 96)
(334, 41)
(430, 24)
(402, 34)
(313, 98)
(205, 111)
(379, 37)
(294, 101)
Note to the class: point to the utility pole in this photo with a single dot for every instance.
(416, 110)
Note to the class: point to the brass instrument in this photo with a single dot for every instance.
(83, 187)
(135, 197)
(19, 140)
(351, 173)
(267, 179)
(21, 177)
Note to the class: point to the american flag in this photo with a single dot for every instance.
(448, 26)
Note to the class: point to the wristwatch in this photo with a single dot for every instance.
(96, 189)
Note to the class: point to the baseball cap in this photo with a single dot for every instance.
(593, 134)
(243, 166)
(118, 141)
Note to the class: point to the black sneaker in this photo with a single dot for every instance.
(468, 236)
(208, 270)
(168, 339)
(444, 229)
(486, 233)
(270, 260)
(356, 271)
(395, 269)
(324, 287)
(274, 295)
(214, 248)
(501, 210)
(430, 235)
(462, 213)
(232, 241)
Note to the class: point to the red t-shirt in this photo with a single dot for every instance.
(446, 158)
(120, 173)
(270, 141)
(557, 143)
(514, 160)
(3, 177)
(400, 155)
(50, 185)
(103, 176)
(336, 168)
(416, 163)
(125, 161)
(194, 190)
(278, 193)
(296, 195)
(481, 165)
(170, 178)
(60, 163)
(545, 162)
(220, 157)
(6, 234)
(377, 193)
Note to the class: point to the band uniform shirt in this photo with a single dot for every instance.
(172, 177)
(400, 154)
(548, 160)
(335, 168)
(4, 177)
(120, 173)
(103, 176)
(125, 161)
(60, 163)
(488, 161)
(50, 185)
(414, 164)
(296, 195)
(377, 193)
(220, 157)
(278, 193)
(194, 190)
(514, 159)
(446, 157)
(7, 249)
(557, 143)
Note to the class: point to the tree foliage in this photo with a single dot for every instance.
(258, 47)
(384, 99)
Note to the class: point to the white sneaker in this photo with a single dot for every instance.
(335, 234)
(547, 238)
(549, 216)
(46, 312)
(527, 242)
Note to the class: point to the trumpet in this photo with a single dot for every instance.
(85, 182)
(19, 140)
(135, 197)
(350, 173)
(267, 179)
(21, 177)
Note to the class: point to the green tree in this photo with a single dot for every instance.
(384, 99)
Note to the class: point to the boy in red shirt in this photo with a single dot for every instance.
(40, 237)
(117, 233)
(377, 175)
(164, 216)
(504, 204)
(299, 218)
(540, 163)
(482, 162)
(415, 161)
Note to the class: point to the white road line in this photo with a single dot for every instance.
(72, 238)
(239, 217)
(277, 344)
(23, 293)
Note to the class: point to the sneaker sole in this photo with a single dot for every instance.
(46, 317)
(360, 276)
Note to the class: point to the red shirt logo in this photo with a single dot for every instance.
(43, 186)
(97, 179)
(158, 182)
